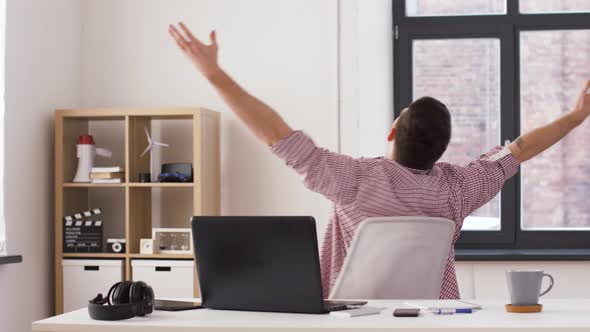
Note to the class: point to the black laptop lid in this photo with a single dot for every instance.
(258, 263)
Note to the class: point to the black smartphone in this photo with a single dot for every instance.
(167, 305)
(406, 312)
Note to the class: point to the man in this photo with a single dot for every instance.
(407, 182)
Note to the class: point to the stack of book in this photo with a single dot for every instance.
(107, 175)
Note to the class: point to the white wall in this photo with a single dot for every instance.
(324, 65)
(487, 280)
(42, 74)
(285, 52)
(365, 76)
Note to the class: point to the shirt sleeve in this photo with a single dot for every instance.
(482, 179)
(331, 174)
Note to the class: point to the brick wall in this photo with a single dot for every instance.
(465, 75)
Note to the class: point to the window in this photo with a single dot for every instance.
(554, 6)
(469, 83)
(504, 68)
(555, 185)
(454, 8)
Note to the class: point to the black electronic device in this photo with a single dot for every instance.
(167, 305)
(406, 312)
(260, 264)
(116, 246)
(145, 177)
(173, 177)
(176, 172)
(124, 300)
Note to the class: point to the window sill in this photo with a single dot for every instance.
(522, 254)
(11, 259)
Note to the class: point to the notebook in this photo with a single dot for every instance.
(442, 304)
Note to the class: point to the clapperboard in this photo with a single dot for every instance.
(81, 234)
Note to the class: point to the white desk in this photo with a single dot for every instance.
(557, 315)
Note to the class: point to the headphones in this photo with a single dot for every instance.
(125, 300)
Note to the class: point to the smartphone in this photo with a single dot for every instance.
(167, 305)
(406, 312)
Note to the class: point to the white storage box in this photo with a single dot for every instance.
(168, 278)
(83, 279)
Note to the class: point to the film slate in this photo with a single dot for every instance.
(82, 232)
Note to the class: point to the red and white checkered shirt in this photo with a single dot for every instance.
(375, 187)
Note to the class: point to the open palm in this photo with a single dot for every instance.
(202, 55)
(583, 102)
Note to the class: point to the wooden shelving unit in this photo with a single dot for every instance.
(93, 185)
(99, 255)
(161, 185)
(123, 185)
(161, 256)
(72, 197)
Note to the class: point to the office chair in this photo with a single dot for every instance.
(396, 258)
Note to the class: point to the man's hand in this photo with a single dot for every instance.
(266, 124)
(203, 56)
(532, 143)
(582, 109)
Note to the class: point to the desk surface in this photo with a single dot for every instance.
(557, 315)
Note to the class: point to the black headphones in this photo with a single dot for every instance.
(125, 300)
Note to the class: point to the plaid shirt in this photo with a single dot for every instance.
(375, 187)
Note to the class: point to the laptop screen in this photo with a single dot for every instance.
(258, 263)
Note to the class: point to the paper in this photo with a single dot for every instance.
(361, 311)
(443, 304)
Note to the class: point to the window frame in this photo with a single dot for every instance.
(507, 27)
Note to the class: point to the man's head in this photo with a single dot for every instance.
(421, 133)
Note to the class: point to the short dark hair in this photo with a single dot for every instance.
(423, 132)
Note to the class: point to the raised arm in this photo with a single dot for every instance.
(538, 140)
(262, 120)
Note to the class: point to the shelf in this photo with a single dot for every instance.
(11, 259)
(131, 209)
(162, 185)
(93, 185)
(100, 255)
(134, 184)
(162, 256)
(118, 113)
(97, 255)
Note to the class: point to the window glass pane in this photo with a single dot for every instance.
(465, 75)
(556, 184)
(554, 6)
(455, 7)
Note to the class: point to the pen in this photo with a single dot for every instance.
(442, 311)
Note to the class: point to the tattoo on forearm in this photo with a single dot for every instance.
(520, 143)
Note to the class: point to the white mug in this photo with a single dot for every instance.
(525, 286)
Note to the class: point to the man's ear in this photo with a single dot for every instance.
(391, 135)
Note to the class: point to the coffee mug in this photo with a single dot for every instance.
(525, 286)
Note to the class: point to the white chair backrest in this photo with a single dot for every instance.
(396, 258)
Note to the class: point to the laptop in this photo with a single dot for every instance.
(260, 264)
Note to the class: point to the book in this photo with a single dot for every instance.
(118, 175)
(114, 169)
(103, 181)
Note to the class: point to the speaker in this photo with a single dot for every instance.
(124, 300)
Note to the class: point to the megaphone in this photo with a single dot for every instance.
(86, 151)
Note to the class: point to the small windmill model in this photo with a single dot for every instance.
(151, 145)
